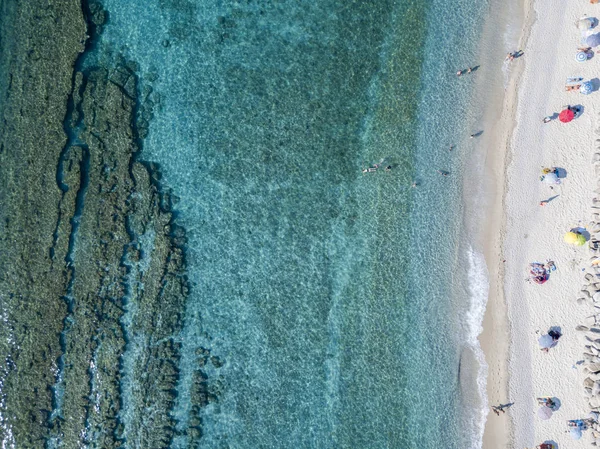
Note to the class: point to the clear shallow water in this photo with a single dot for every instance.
(343, 305)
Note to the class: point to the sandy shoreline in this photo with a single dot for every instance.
(520, 231)
(496, 327)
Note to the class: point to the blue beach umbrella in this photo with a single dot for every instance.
(586, 88)
(581, 56)
(593, 40)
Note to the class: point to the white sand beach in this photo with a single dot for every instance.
(518, 370)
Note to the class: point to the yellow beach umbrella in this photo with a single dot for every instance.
(574, 238)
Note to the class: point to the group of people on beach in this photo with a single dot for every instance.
(500, 408)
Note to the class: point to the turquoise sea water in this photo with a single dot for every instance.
(343, 305)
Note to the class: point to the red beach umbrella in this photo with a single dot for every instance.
(566, 116)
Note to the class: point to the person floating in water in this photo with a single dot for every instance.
(414, 184)
(443, 172)
(451, 148)
(459, 73)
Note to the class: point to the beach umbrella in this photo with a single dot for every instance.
(586, 88)
(593, 40)
(574, 238)
(575, 433)
(585, 23)
(581, 56)
(545, 413)
(546, 342)
(551, 178)
(566, 115)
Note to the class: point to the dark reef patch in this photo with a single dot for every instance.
(93, 284)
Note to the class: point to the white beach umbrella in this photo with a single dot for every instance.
(586, 88)
(545, 342)
(581, 56)
(585, 23)
(576, 433)
(551, 178)
(545, 413)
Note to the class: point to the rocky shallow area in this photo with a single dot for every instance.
(93, 287)
(589, 296)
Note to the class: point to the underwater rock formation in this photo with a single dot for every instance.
(93, 285)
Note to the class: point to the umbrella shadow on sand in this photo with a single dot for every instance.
(561, 173)
(582, 231)
(556, 403)
(556, 329)
(595, 84)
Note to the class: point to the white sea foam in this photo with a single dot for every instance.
(478, 291)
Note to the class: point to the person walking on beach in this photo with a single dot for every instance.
(497, 409)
